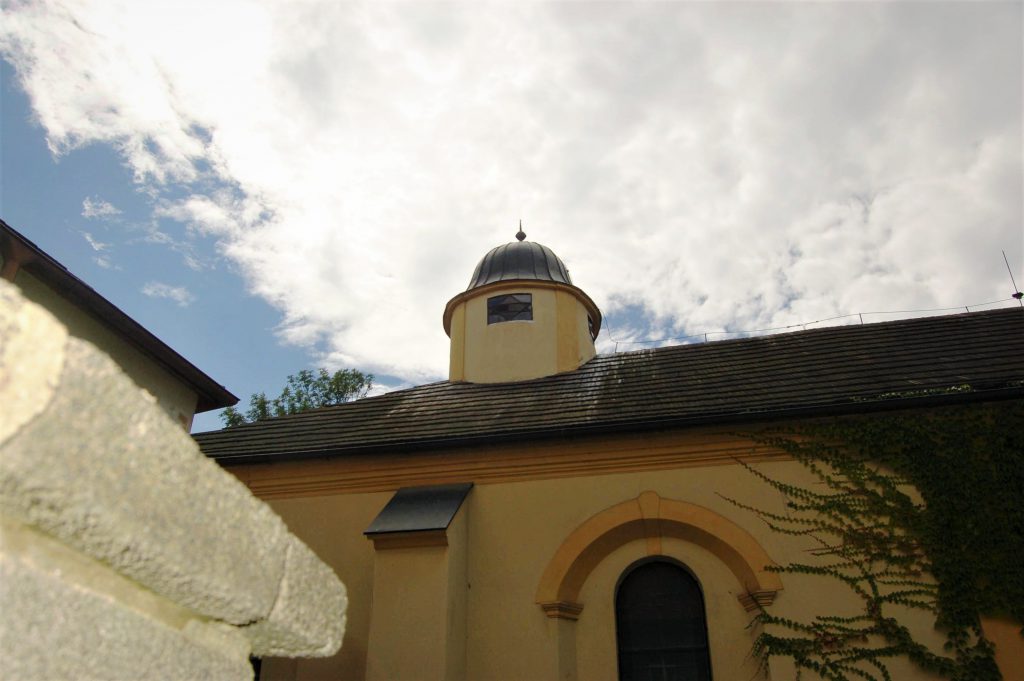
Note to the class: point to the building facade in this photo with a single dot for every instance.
(551, 513)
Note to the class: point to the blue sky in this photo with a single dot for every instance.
(222, 329)
(273, 187)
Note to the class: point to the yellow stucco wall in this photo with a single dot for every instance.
(516, 528)
(333, 528)
(1006, 636)
(557, 339)
(513, 529)
(172, 394)
(419, 608)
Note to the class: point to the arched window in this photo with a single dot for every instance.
(660, 626)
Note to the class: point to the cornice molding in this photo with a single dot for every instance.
(520, 285)
(502, 463)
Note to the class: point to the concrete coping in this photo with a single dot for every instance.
(89, 458)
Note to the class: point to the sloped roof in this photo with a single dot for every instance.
(807, 373)
(42, 266)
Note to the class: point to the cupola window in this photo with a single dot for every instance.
(509, 308)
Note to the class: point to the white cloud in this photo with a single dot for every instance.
(178, 294)
(98, 208)
(186, 249)
(95, 244)
(103, 258)
(705, 165)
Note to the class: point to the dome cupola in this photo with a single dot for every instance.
(521, 317)
(519, 260)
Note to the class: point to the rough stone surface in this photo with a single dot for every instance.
(31, 356)
(124, 484)
(104, 486)
(308, 619)
(56, 630)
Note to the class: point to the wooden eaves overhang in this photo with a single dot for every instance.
(20, 253)
(841, 370)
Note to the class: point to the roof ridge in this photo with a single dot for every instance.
(795, 332)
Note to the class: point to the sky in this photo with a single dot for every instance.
(271, 186)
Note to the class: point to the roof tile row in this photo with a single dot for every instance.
(829, 370)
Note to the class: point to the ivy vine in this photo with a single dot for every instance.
(953, 548)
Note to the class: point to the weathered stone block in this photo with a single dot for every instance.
(121, 482)
(54, 629)
(308, 619)
(31, 356)
(90, 461)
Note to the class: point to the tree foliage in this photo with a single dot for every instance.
(952, 546)
(303, 391)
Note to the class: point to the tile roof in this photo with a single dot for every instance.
(833, 370)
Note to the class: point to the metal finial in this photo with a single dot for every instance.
(520, 234)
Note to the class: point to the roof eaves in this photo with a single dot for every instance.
(750, 416)
(211, 394)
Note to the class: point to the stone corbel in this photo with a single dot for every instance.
(562, 610)
(755, 600)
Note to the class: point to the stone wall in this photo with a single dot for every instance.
(124, 552)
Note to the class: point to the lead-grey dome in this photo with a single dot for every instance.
(519, 260)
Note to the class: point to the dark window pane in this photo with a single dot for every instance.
(507, 308)
(660, 626)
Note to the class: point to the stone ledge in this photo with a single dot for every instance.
(308, 619)
(124, 484)
(57, 630)
(95, 463)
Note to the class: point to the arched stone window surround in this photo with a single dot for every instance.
(652, 517)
